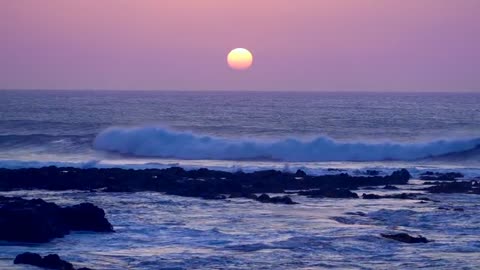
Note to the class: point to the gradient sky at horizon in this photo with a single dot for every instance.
(308, 45)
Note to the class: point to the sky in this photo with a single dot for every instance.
(301, 45)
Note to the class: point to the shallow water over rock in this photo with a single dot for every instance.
(156, 231)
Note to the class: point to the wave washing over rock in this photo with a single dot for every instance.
(150, 141)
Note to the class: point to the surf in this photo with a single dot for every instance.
(153, 141)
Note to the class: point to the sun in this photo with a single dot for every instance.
(240, 59)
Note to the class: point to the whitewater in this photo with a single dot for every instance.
(161, 142)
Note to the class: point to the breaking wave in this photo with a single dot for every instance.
(163, 142)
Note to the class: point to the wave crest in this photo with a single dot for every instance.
(162, 142)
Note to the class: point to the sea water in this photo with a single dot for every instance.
(249, 131)
(240, 130)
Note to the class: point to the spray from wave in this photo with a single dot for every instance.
(163, 142)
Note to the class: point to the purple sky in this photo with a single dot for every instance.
(335, 45)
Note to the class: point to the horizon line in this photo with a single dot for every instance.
(249, 90)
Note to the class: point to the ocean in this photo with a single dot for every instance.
(247, 131)
(241, 130)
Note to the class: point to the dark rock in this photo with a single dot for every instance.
(38, 221)
(371, 196)
(372, 172)
(51, 261)
(300, 173)
(202, 183)
(400, 176)
(335, 170)
(455, 187)
(30, 220)
(264, 198)
(28, 258)
(282, 200)
(329, 193)
(405, 238)
(86, 217)
(403, 196)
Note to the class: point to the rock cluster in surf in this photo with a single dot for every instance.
(202, 183)
(51, 261)
(38, 221)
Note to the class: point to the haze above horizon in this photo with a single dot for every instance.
(306, 45)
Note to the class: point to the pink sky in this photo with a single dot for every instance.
(335, 45)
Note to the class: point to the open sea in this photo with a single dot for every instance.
(250, 131)
(240, 130)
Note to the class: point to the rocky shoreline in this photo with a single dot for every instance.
(202, 183)
(38, 221)
(212, 184)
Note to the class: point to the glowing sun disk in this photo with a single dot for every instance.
(240, 59)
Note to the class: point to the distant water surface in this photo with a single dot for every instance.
(238, 129)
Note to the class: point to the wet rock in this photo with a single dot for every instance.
(201, 183)
(329, 193)
(335, 170)
(400, 176)
(405, 238)
(29, 258)
(30, 221)
(372, 172)
(38, 221)
(86, 217)
(300, 173)
(402, 196)
(371, 196)
(51, 261)
(264, 198)
(282, 200)
(455, 187)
